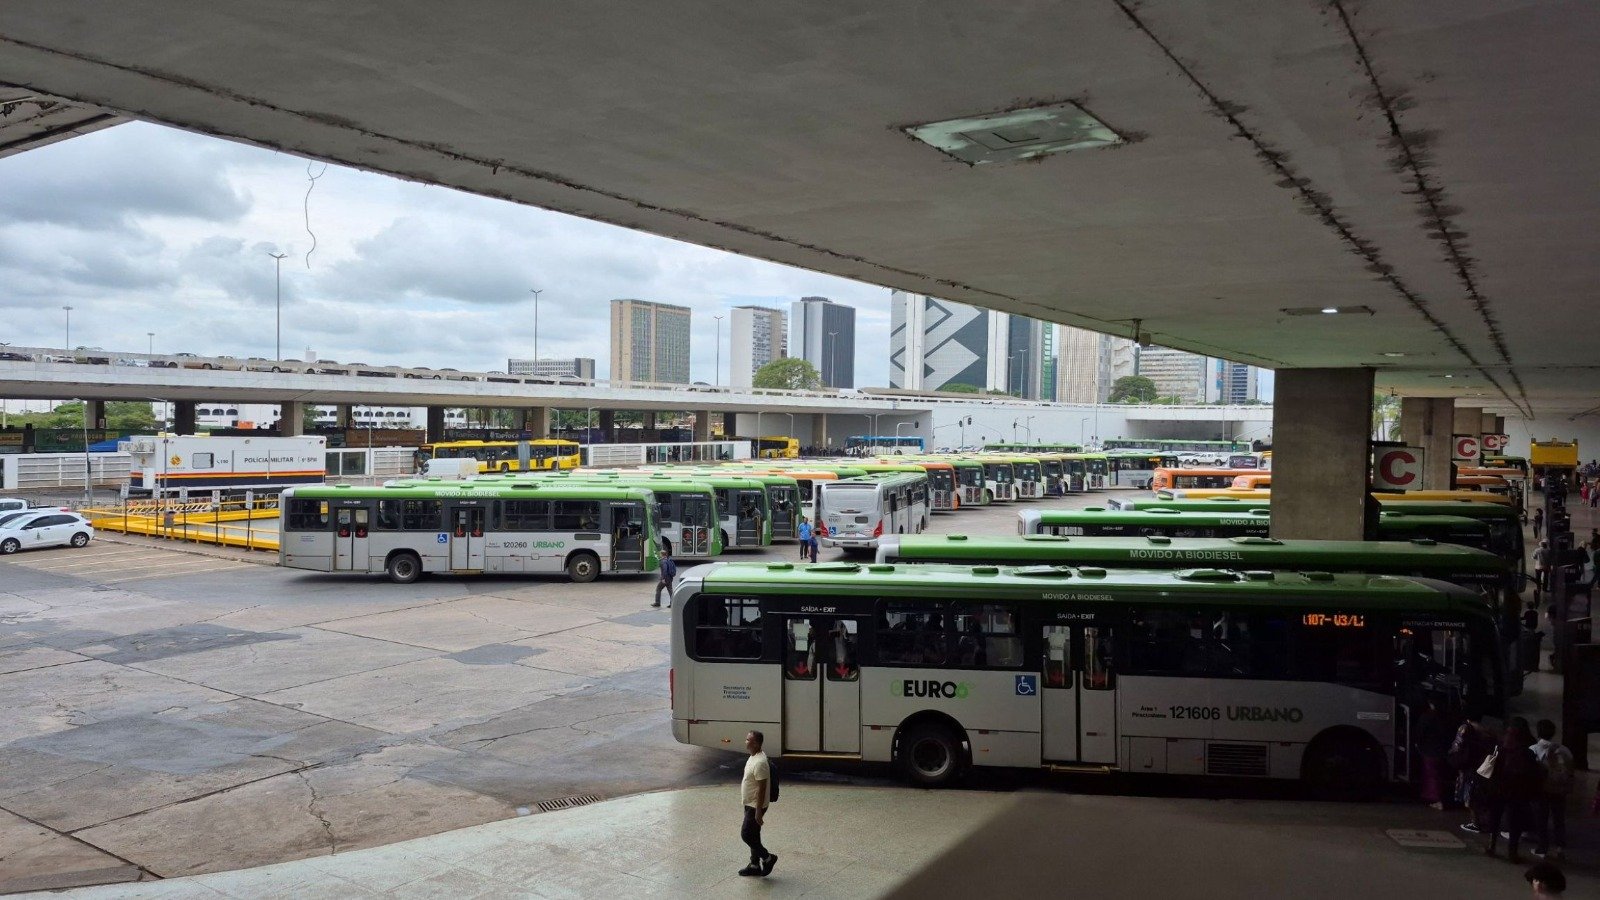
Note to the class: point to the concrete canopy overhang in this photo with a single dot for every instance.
(1425, 161)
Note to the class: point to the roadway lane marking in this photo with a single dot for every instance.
(172, 574)
(80, 562)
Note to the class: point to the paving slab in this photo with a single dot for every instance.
(34, 858)
(40, 701)
(363, 802)
(304, 656)
(466, 623)
(426, 694)
(27, 658)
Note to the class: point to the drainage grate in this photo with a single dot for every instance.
(567, 802)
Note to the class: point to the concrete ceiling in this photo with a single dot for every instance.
(1426, 160)
(29, 119)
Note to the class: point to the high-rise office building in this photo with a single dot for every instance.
(649, 342)
(823, 333)
(576, 367)
(1178, 373)
(1081, 367)
(756, 336)
(936, 343)
(1240, 383)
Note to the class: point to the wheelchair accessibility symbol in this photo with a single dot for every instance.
(444, 537)
(1027, 685)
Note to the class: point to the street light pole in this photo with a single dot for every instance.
(150, 348)
(277, 331)
(68, 310)
(536, 292)
(833, 364)
(716, 374)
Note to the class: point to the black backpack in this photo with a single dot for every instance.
(772, 782)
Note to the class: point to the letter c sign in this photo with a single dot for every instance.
(1465, 448)
(1398, 469)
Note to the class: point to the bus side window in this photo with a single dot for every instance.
(911, 634)
(308, 515)
(728, 629)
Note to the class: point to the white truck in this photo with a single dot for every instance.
(171, 464)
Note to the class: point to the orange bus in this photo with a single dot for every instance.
(1181, 478)
(1256, 482)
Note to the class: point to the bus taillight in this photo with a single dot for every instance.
(878, 531)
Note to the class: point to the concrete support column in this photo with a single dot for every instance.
(819, 431)
(1427, 422)
(292, 418)
(96, 410)
(183, 417)
(1320, 453)
(435, 424)
(536, 421)
(702, 426)
(344, 415)
(1488, 423)
(649, 423)
(608, 426)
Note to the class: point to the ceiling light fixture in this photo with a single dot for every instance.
(1393, 353)
(1327, 310)
(1017, 134)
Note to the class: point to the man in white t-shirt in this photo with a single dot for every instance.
(753, 794)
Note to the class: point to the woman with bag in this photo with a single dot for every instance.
(1516, 778)
(1471, 746)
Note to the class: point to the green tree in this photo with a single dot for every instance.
(1133, 389)
(130, 416)
(960, 387)
(788, 374)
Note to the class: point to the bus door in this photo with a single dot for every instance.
(466, 538)
(748, 526)
(694, 518)
(785, 512)
(627, 537)
(350, 542)
(1079, 704)
(821, 685)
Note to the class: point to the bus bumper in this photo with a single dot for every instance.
(851, 543)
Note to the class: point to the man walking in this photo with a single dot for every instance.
(669, 571)
(754, 795)
(1550, 808)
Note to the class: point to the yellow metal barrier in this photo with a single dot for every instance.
(252, 526)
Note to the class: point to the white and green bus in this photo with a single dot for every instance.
(1283, 675)
(853, 513)
(686, 509)
(462, 528)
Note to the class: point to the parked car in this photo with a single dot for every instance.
(15, 356)
(47, 528)
(12, 504)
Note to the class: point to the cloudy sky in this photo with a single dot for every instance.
(141, 228)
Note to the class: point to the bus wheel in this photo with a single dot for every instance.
(404, 568)
(726, 544)
(583, 568)
(988, 496)
(1343, 766)
(930, 755)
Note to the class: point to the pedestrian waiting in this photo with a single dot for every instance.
(1550, 807)
(1515, 783)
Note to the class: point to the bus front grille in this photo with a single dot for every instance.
(1236, 759)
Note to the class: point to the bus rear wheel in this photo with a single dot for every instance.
(930, 754)
(1343, 767)
(404, 568)
(583, 568)
(988, 496)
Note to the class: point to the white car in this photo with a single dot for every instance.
(46, 528)
(12, 504)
